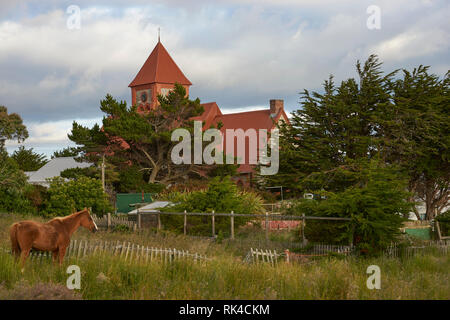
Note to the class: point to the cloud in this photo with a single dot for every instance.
(237, 53)
(47, 137)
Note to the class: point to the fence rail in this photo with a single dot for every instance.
(267, 218)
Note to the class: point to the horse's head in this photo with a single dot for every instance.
(87, 221)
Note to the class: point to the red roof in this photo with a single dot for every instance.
(159, 67)
(259, 119)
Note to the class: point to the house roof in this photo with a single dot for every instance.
(159, 67)
(53, 168)
(152, 207)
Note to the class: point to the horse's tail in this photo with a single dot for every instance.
(14, 242)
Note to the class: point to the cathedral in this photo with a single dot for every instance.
(158, 75)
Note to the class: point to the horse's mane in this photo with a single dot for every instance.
(72, 215)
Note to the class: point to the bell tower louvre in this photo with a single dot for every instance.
(158, 75)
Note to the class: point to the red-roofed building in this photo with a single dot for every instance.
(159, 74)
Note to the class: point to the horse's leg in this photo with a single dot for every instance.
(62, 252)
(55, 255)
(23, 256)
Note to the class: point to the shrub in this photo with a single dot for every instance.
(376, 207)
(132, 179)
(66, 197)
(444, 223)
(121, 228)
(222, 196)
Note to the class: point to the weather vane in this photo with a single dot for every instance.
(159, 34)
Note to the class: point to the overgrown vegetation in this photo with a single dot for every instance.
(222, 196)
(375, 202)
(402, 122)
(224, 277)
(65, 197)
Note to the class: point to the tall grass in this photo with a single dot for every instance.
(226, 276)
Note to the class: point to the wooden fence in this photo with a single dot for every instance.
(395, 251)
(128, 251)
(259, 255)
(109, 221)
(267, 217)
(265, 255)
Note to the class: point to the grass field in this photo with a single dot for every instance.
(225, 276)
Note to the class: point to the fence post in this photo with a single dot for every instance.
(185, 223)
(138, 218)
(159, 222)
(438, 229)
(213, 225)
(267, 226)
(232, 225)
(303, 228)
(108, 221)
(287, 255)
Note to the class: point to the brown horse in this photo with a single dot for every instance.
(53, 235)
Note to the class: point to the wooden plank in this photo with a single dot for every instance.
(127, 251)
(79, 249)
(85, 248)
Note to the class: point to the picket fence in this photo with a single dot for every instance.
(395, 251)
(271, 256)
(128, 251)
(259, 255)
(115, 220)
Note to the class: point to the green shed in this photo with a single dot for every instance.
(421, 233)
(123, 200)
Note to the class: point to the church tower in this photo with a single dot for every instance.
(157, 76)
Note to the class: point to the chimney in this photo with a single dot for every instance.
(276, 105)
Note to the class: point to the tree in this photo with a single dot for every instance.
(28, 160)
(66, 197)
(142, 138)
(375, 203)
(333, 130)
(11, 177)
(66, 152)
(12, 184)
(222, 196)
(416, 131)
(402, 121)
(11, 127)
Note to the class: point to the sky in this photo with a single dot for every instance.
(240, 54)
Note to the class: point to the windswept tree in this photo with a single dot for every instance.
(142, 138)
(403, 122)
(11, 127)
(332, 131)
(28, 160)
(12, 179)
(417, 136)
(66, 152)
